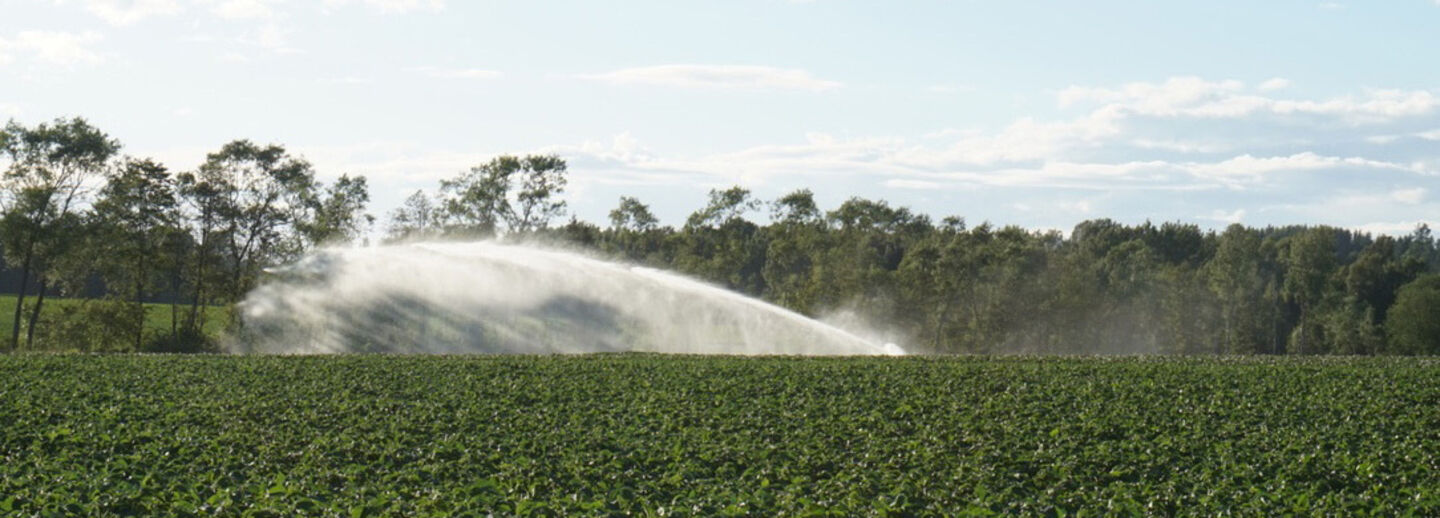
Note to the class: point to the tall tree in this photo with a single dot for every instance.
(519, 193)
(726, 205)
(633, 216)
(338, 214)
(1309, 261)
(542, 181)
(632, 229)
(204, 204)
(1412, 325)
(43, 189)
(134, 213)
(1237, 280)
(262, 194)
(417, 217)
(798, 207)
(795, 239)
(719, 244)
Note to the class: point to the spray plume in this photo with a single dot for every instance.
(489, 297)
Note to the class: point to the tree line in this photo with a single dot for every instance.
(201, 239)
(77, 215)
(947, 287)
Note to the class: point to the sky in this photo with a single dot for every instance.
(1038, 114)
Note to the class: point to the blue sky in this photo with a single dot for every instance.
(1041, 114)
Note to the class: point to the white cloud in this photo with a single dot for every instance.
(1393, 228)
(1120, 145)
(458, 73)
(393, 6)
(1234, 216)
(724, 77)
(349, 80)
(1192, 97)
(1409, 196)
(1152, 97)
(949, 89)
(623, 147)
(245, 9)
(271, 36)
(1272, 84)
(234, 57)
(1255, 167)
(119, 12)
(1262, 166)
(920, 185)
(1180, 146)
(51, 47)
(127, 12)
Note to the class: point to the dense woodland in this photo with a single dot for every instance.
(118, 236)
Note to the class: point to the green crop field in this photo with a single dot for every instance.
(679, 435)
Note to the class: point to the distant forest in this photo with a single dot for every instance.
(118, 237)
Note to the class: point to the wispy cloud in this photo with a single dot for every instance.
(901, 183)
(458, 73)
(1135, 139)
(51, 47)
(128, 12)
(949, 89)
(1272, 84)
(271, 36)
(722, 77)
(393, 6)
(1193, 97)
(120, 12)
(246, 9)
(1409, 196)
(1234, 216)
(348, 80)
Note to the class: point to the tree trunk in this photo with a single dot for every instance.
(175, 305)
(20, 298)
(1227, 343)
(140, 300)
(1301, 342)
(195, 301)
(35, 314)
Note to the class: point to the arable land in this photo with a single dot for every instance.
(685, 435)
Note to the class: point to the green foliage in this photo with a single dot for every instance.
(417, 217)
(633, 216)
(260, 197)
(520, 193)
(714, 436)
(338, 216)
(1414, 320)
(109, 325)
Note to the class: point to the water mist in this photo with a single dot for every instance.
(489, 297)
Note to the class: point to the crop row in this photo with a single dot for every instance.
(681, 435)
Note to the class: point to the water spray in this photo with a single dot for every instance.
(489, 297)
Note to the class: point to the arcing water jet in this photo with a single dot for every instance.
(488, 297)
